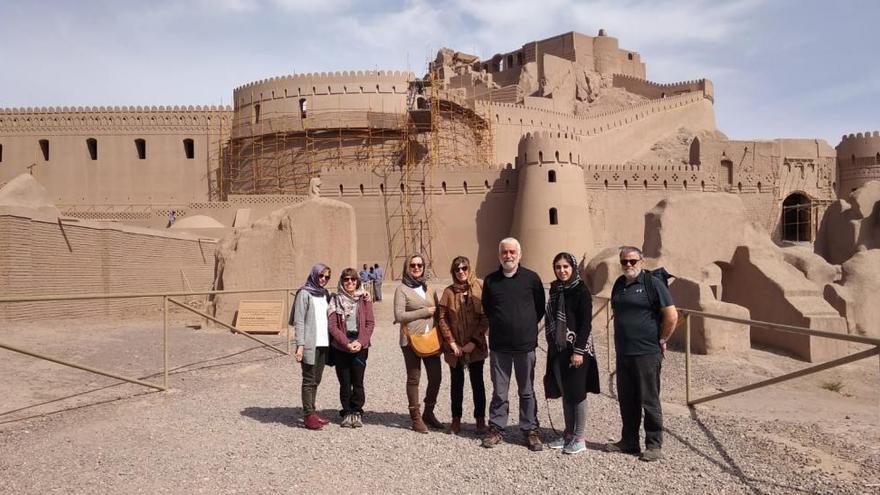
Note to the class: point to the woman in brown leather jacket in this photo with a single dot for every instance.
(464, 327)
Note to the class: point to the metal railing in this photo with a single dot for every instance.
(167, 297)
(685, 319)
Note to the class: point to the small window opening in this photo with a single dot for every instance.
(519, 58)
(92, 145)
(44, 147)
(341, 190)
(629, 56)
(797, 218)
(189, 149)
(1, 153)
(141, 146)
(551, 176)
(509, 61)
(554, 218)
(303, 107)
(257, 113)
(465, 187)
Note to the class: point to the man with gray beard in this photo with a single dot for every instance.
(513, 300)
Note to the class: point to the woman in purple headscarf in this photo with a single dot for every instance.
(309, 321)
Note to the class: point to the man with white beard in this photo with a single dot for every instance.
(513, 300)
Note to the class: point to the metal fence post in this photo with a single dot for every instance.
(165, 341)
(687, 359)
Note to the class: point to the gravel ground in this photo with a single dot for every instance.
(232, 424)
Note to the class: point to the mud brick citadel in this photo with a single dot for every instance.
(562, 142)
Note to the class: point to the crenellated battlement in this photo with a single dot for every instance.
(75, 119)
(114, 109)
(331, 77)
(548, 147)
(679, 84)
(868, 135)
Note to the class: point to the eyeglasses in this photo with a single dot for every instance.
(416, 265)
(324, 277)
(630, 262)
(462, 269)
(349, 279)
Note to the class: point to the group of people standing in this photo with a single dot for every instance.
(497, 318)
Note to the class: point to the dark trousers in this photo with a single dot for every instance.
(475, 371)
(522, 365)
(312, 374)
(350, 368)
(413, 373)
(638, 389)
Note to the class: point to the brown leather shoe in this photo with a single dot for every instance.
(417, 424)
(533, 441)
(455, 426)
(492, 438)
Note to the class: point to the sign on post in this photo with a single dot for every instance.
(260, 316)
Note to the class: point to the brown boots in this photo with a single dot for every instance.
(455, 427)
(417, 424)
(430, 419)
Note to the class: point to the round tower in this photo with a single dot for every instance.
(606, 53)
(550, 214)
(858, 161)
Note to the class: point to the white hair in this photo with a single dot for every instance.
(510, 240)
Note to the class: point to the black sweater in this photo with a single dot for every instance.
(514, 307)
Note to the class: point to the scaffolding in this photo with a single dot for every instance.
(280, 153)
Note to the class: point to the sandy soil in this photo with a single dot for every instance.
(232, 423)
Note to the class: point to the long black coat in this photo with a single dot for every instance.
(576, 382)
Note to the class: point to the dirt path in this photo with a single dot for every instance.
(231, 424)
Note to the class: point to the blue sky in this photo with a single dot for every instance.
(781, 68)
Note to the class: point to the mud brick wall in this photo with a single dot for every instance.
(39, 257)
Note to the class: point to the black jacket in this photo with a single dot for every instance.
(514, 307)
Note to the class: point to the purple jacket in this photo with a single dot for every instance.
(365, 324)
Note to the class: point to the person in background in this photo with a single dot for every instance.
(571, 357)
(464, 327)
(379, 276)
(309, 320)
(351, 323)
(414, 309)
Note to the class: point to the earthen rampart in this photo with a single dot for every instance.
(654, 90)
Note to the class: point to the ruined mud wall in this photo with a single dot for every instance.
(39, 257)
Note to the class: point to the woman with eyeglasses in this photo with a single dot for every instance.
(351, 323)
(571, 357)
(312, 339)
(464, 327)
(414, 309)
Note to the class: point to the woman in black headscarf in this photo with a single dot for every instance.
(571, 357)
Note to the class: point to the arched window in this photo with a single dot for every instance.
(303, 107)
(44, 147)
(382, 188)
(361, 187)
(626, 184)
(554, 218)
(695, 152)
(797, 222)
(541, 156)
(256, 113)
(341, 190)
(551, 176)
(141, 146)
(92, 146)
(726, 173)
(1, 153)
(189, 148)
(465, 187)
(443, 186)
(557, 156)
